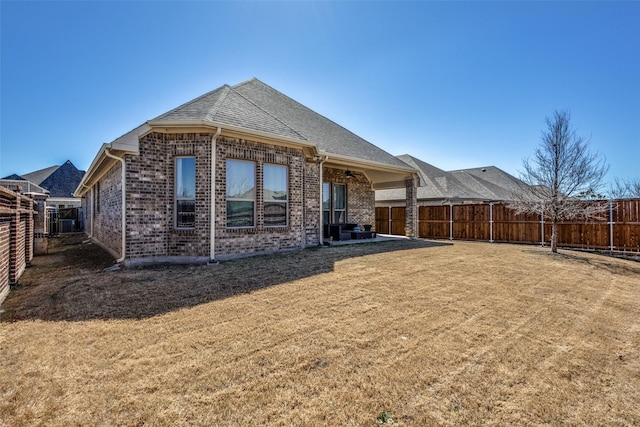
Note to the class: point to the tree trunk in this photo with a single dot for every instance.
(554, 237)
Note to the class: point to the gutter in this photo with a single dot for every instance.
(212, 226)
(165, 125)
(124, 199)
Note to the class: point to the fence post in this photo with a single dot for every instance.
(542, 228)
(390, 222)
(450, 221)
(611, 225)
(490, 222)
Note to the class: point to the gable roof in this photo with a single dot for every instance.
(490, 181)
(14, 177)
(484, 183)
(59, 181)
(255, 106)
(40, 175)
(63, 181)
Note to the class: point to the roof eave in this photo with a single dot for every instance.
(382, 176)
(165, 126)
(101, 165)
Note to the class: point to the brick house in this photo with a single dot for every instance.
(240, 170)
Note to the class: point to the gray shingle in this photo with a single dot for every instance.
(253, 105)
(485, 183)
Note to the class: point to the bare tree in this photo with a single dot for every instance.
(562, 174)
(627, 188)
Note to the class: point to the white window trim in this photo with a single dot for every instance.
(175, 193)
(233, 199)
(286, 202)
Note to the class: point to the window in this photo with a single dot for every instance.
(275, 195)
(326, 203)
(96, 196)
(185, 192)
(334, 203)
(339, 203)
(241, 193)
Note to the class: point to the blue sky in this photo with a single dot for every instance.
(456, 84)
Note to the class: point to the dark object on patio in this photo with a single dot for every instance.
(367, 227)
(362, 235)
(339, 231)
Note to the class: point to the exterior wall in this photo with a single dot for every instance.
(85, 204)
(151, 228)
(245, 241)
(107, 226)
(151, 231)
(312, 203)
(360, 196)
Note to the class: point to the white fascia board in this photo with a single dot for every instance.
(129, 142)
(368, 164)
(82, 186)
(97, 165)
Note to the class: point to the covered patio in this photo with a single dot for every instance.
(377, 239)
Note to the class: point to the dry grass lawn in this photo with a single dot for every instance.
(430, 333)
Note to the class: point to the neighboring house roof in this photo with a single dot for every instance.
(253, 105)
(59, 181)
(14, 177)
(63, 181)
(40, 175)
(490, 181)
(484, 183)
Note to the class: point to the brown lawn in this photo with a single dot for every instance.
(430, 333)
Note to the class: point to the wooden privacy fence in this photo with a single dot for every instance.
(619, 230)
(16, 237)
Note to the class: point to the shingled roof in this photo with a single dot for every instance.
(483, 183)
(255, 106)
(60, 181)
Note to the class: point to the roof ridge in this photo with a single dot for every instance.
(214, 108)
(193, 101)
(247, 82)
(294, 130)
(323, 116)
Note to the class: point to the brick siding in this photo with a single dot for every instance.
(107, 222)
(150, 198)
(259, 239)
(360, 195)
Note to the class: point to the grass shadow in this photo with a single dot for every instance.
(598, 260)
(71, 284)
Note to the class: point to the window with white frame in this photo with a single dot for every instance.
(241, 193)
(334, 203)
(339, 203)
(185, 197)
(275, 195)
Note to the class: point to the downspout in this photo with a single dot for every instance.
(124, 199)
(320, 228)
(92, 208)
(212, 227)
(92, 216)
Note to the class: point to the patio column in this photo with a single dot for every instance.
(411, 217)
